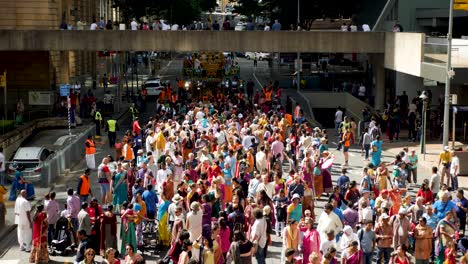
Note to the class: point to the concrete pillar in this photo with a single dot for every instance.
(377, 61)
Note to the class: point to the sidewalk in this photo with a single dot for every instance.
(426, 161)
(60, 188)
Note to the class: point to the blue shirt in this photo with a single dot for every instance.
(151, 200)
(442, 208)
(343, 182)
(338, 213)
(431, 220)
(464, 204)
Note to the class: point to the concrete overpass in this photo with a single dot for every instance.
(193, 41)
(402, 52)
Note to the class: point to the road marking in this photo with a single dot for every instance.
(11, 261)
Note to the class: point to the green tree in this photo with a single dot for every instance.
(176, 11)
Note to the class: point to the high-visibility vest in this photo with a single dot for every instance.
(92, 147)
(98, 116)
(268, 96)
(84, 188)
(112, 125)
(174, 98)
(347, 139)
(180, 84)
(128, 152)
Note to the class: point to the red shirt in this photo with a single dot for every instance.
(136, 127)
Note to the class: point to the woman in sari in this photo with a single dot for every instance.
(127, 229)
(215, 197)
(352, 255)
(326, 163)
(39, 253)
(308, 199)
(163, 228)
(119, 186)
(310, 240)
(318, 177)
(307, 170)
(108, 229)
(446, 233)
(376, 150)
(382, 177)
(19, 184)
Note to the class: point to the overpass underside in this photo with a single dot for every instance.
(193, 41)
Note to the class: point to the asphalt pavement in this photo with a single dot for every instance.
(11, 253)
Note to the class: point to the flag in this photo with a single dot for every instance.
(460, 5)
(3, 80)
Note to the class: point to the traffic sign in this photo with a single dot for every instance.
(65, 90)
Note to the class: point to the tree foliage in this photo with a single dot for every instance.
(286, 10)
(175, 11)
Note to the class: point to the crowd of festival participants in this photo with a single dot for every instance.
(210, 174)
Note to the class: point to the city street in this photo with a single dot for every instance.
(12, 254)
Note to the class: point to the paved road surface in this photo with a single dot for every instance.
(13, 255)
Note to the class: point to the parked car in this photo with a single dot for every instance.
(241, 26)
(153, 86)
(259, 55)
(32, 159)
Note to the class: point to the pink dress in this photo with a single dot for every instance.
(310, 242)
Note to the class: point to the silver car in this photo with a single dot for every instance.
(32, 159)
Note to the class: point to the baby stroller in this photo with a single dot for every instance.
(63, 237)
(151, 240)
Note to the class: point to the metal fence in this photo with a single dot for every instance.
(65, 158)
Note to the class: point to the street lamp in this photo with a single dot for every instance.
(424, 98)
(298, 64)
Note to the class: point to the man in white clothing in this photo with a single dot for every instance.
(24, 222)
(454, 170)
(328, 221)
(259, 235)
(260, 159)
(134, 25)
(338, 119)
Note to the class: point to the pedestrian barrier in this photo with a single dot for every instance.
(65, 158)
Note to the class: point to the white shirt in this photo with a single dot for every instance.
(259, 228)
(161, 177)
(2, 160)
(455, 166)
(435, 178)
(175, 27)
(149, 143)
(329, 222)
(134, 25)
(344, 28)
(261, 161)
(267, 28)
(353, 28)
(339, 116)
(22, 206)
(247, 142)
(412, 108)
(195, 229)
(326, 244)
(366, 28)
(93, 26)
(52, 209)
(362, 90)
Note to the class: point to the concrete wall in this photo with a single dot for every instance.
(188, 41)
(404, 52)
(13, 139)
(409, 83)
(353, 105)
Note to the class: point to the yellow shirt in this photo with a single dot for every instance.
(445, 157)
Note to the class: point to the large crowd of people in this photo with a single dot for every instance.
(206, 180)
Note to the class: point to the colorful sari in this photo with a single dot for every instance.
(120, 189)
(354, 258)
(164, 233)
(442, 240)
(39, 253)
(127, 230)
